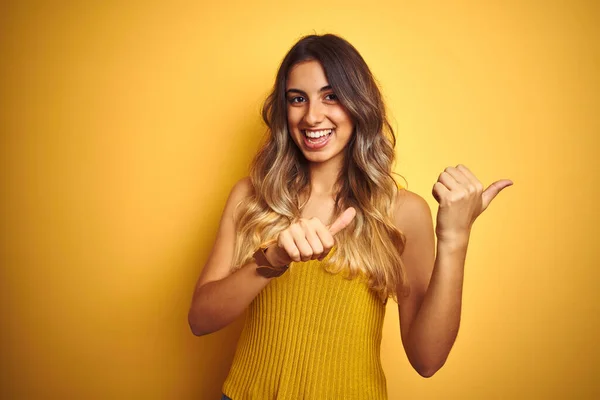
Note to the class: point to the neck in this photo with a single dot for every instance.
(323, 177)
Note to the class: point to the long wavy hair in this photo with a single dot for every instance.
(371, 245)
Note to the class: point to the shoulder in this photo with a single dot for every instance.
(241, 191)
(411, 212)
(242, 188)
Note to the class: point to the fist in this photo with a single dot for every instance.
(307, 239)
(462, 199)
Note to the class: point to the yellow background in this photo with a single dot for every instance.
(124, 126)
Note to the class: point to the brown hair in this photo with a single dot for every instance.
(371, 246)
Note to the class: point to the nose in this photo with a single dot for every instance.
(315, 113)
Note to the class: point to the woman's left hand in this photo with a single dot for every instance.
(462, 199)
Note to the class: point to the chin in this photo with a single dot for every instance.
(318, 157)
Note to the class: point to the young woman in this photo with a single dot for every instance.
(319, 236)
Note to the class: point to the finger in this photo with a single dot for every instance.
(448, 181)
(439, 191)
(306, 251)
(326, 239)
(470, 176)
(342, 221)
(492, 191)
(312, 238)
(457, 175)
(286, 242)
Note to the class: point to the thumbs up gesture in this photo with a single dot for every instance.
(462, 199)
(307, 239)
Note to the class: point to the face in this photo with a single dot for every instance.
(320, 126)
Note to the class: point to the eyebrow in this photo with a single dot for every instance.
(324, 88)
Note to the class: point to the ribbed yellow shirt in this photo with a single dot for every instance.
(310, 335)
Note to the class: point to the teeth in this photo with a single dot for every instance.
(317, 134)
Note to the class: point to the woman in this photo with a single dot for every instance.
(319, 236)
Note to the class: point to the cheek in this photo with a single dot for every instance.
(292, 117)
(342, 117)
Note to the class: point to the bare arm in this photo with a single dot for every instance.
(221, 296)
(218, 303)
(430, 315)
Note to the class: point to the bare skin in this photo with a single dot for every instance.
(221, 296)
(430, 315)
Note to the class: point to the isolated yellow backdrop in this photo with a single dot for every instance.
(124, 126)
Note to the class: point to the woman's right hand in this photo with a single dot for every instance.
(307, 239)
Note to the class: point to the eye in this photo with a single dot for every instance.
(296, 99)
(331, 96)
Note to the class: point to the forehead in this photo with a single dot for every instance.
(307, 75)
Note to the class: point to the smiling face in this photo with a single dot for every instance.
(320, 126)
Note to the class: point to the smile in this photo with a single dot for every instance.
(317, 134)
(317, 139)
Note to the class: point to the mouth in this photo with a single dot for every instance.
(318, 138)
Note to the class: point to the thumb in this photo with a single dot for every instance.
(492, 191)
(342, 221)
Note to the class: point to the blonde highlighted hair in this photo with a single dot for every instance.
(371, 245)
